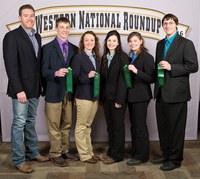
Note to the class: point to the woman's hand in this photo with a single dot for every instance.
(132, 68)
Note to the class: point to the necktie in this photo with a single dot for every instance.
(65, 55)
(109, 58)
(166, 48)
(160, 71)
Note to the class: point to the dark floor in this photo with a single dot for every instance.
(79, 170)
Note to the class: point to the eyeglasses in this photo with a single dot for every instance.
(168, 23)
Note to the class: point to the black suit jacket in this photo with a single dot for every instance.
(113, 86)
(22, 65)
(52, 61)
(81, 66)
(141, 89)
(183, 59)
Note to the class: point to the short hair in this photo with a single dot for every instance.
(62, 19)
(170, 16)
(25, 6)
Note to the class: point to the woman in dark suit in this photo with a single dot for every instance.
(84, 66)
(142, 74)
(113, 94)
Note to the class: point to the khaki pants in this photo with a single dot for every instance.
(59, 119)
(86, 111)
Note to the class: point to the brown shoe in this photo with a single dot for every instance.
(91, 160)
(96, 157)
(107, 160)
(59, 161)
(70, 156)
(25, 168)
(41, 158)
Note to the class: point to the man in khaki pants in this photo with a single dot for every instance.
(57, 56)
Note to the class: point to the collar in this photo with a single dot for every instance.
(61, 41)
(89, 55)
(132, 55)
(29, 32)
(110, 57)
(170, 40)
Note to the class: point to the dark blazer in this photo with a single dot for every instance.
(141, 89)
(113, 86)
(183, 59)
(22, 65)
(52, 61)
(81, 66)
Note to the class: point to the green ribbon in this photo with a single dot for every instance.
(69, 81)
(127, 77)
(96, 84)
(161, 76)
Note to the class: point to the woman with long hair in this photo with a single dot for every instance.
(84, 66)
(113, 96)
(142, 73)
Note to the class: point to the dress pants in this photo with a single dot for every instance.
(86, 111)
(116, 130)
(139, 130)
(171, 121)
(59, 120)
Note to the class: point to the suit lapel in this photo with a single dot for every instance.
(160, 50)
(27, 39)
(97, 65)
(112, 65)
(88, 60)
(59, 52)
(39, 43)
(137, 58)
(70, 53)
(172, 49)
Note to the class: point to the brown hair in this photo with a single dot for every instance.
(137, 34)
(170, 16)
(62, 19)
(26, 6)
(118, 49)
(96, 46)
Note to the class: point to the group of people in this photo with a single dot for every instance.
(60, 65)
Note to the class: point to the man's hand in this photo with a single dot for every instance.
(61, 72)
(118, 105)
(21, 96)
(165, 65)
(91, 74)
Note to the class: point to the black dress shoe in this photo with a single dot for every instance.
(134, 161)
(70, 156)
(107, 160)
(59, 161)
(169, 166)
(91, 160)
(160, 160)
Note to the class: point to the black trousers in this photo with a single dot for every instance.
(116, 130)
(139, 130)
(171, 121)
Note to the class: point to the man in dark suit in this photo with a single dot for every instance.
(21, 51)
(57, 56)
(176, 58)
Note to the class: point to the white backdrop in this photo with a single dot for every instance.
(186, 11)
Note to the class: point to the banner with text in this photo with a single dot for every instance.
(102, 19)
